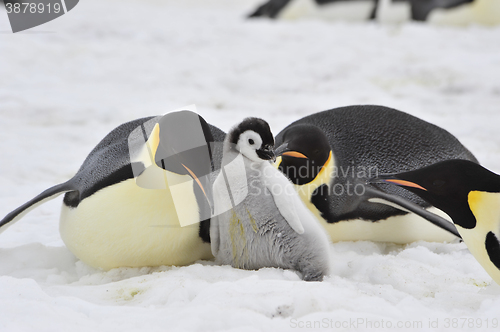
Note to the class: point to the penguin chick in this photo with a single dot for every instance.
(470, 195)
(259, 219)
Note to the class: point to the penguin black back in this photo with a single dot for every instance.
(109, 162)
(447, 186)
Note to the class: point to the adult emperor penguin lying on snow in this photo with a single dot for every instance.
(327, 155)
(138, 186)
(470, 195)
(259, 219)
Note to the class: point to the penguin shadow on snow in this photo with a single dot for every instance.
(58, 266)
(39, 262)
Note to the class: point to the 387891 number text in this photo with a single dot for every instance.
(470, 323)
(32, 8)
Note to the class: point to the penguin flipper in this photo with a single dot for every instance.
(372, 194)
(286, 199)
(45, 196)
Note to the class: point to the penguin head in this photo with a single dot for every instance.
(447, 185)
(185, 149)
(253, 139)
(303, 153)
(177, 152)
(184, 144)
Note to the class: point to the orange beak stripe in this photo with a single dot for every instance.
(294, 154)
(406, 183)
(196, 179)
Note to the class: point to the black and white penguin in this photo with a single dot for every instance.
(470, 195)
(435, 11)
(328, 155)
(259, 219)
(140, 195)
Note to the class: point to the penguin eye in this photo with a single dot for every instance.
(251, 142)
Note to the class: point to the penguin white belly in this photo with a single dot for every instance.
(127, 226)
(486, 12)
(343, 11)
(398, 229)
(401, 229)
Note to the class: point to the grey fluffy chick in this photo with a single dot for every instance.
(259, 219)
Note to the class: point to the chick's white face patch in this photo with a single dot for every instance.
(248, 144)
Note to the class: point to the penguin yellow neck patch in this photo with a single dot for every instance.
(486, 208)
(324, 177)
(482, 239)
(153, 142)
(153, 177)
(277, 163)
(305, 191)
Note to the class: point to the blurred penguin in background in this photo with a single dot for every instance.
(446, 12)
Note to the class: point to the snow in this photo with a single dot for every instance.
(67, 83)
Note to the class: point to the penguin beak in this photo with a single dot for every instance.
(266, 153)
(393, 180)
(283, 150)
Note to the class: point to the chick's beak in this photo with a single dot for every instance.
(266, 153)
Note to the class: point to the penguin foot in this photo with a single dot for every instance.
(313, 276)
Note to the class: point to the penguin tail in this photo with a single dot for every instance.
(45, 196)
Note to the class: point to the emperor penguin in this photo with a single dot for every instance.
(470, 195)
(259, 220)
(452, 12)
(328, 155)
(143, 195)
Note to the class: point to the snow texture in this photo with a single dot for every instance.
(66, 84)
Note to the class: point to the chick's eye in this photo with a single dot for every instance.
(251, 142)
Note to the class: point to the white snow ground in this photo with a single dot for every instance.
(66, 84)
